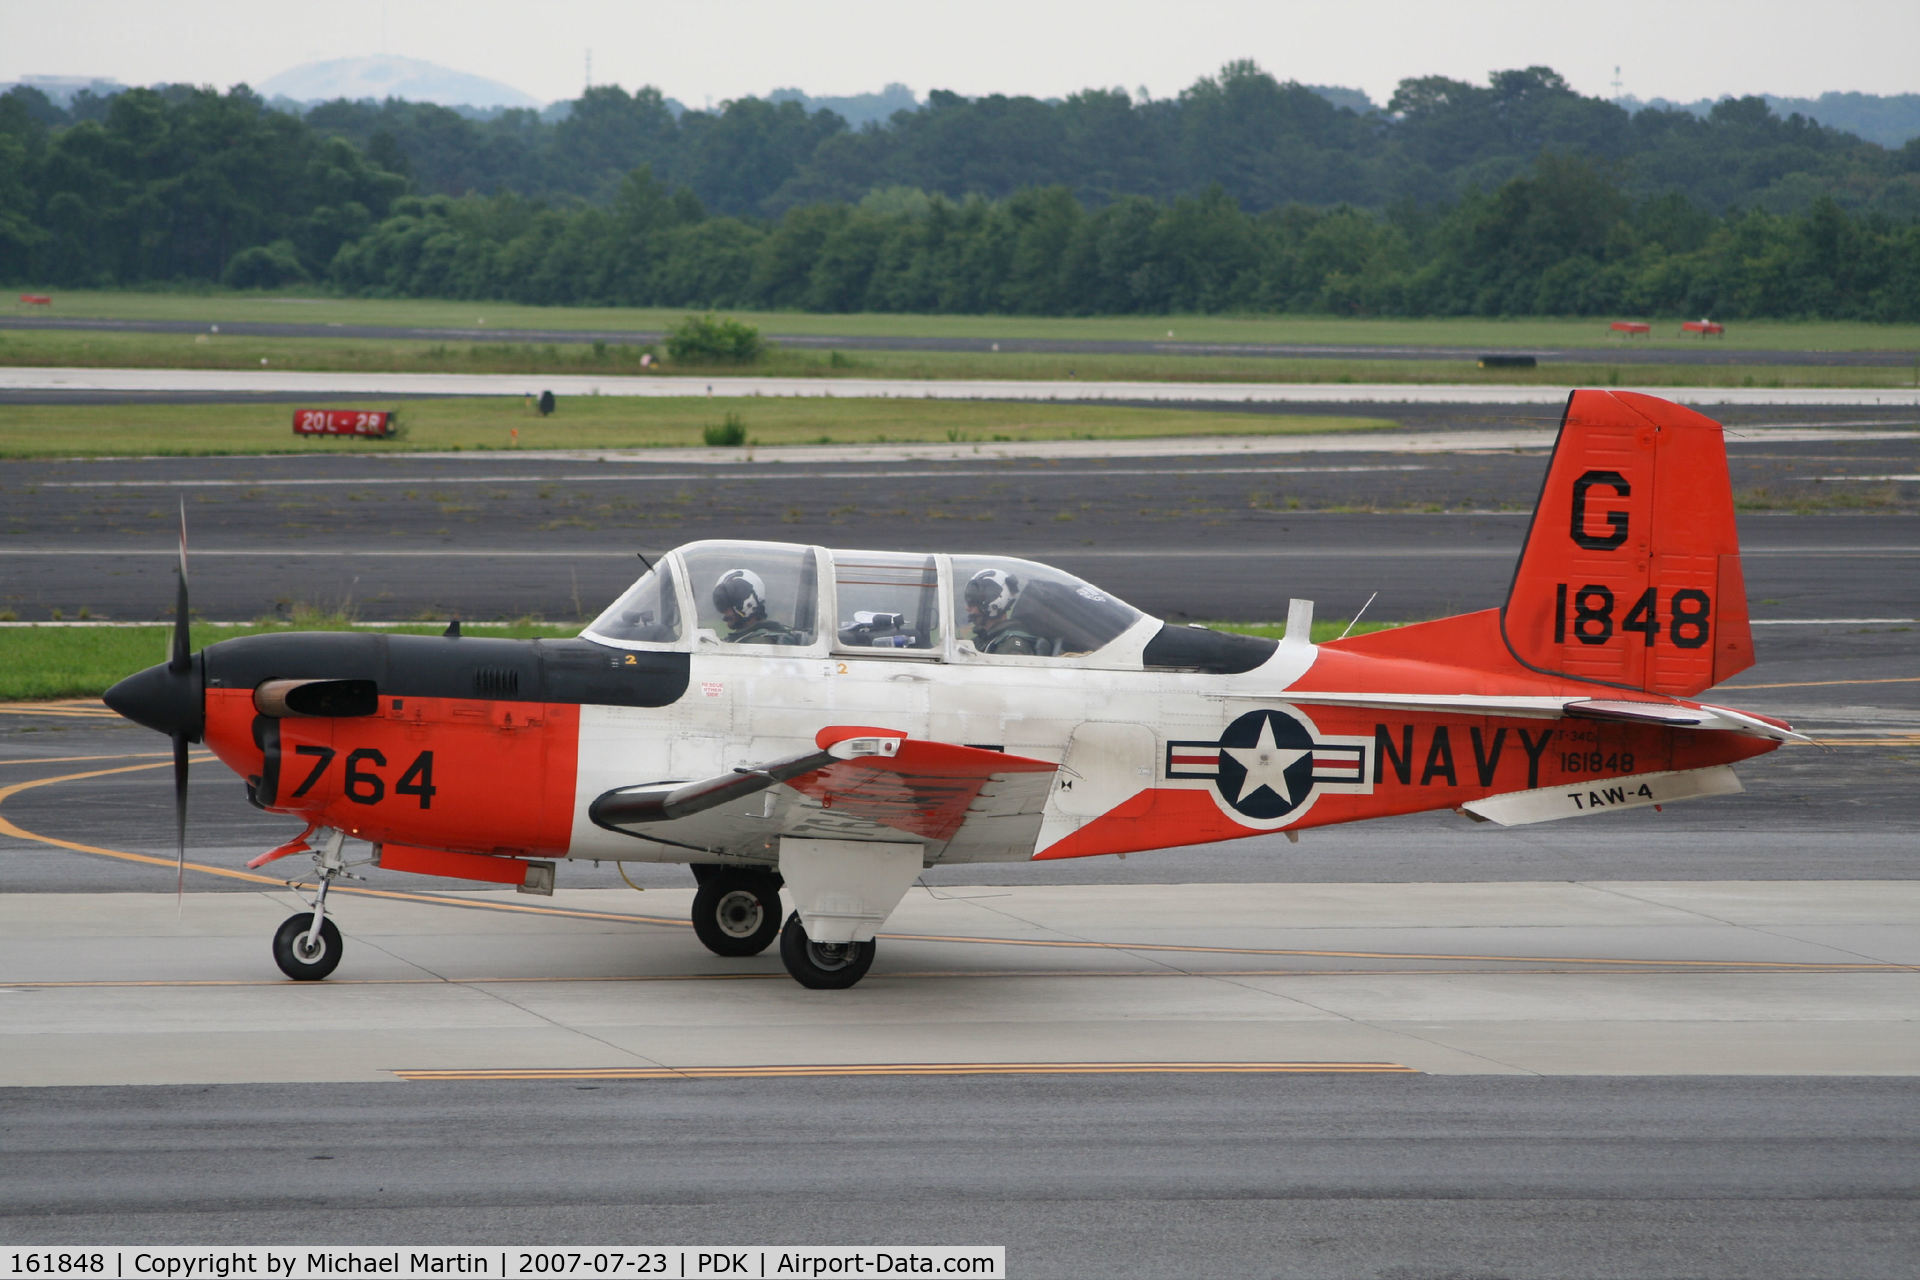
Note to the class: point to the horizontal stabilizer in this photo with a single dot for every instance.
(1604, 795)
(1537, 706)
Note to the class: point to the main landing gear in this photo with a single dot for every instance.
(823, 966)
(736, 911)
(307, 945)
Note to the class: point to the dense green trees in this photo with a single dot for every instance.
(186, 185)
(1243, 193)
(1561, 238)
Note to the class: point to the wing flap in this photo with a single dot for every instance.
(862, 783)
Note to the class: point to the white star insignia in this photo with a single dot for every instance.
(1266, 763)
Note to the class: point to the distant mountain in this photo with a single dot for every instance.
(858, 109)
(878, 108)
(1890, 120)
(60, 90)
(385, 77)
(1354, 100)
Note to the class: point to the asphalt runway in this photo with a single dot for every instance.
(1183, 536)
(1409, 1178)
(1705, 351)
(1650, 1049)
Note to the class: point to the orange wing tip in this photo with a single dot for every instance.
(835, 734)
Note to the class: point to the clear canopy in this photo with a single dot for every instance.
(768, 593)
(648, 613)
(1055, 613)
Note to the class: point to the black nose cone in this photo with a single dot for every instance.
(163, 699)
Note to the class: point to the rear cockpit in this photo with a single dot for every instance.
(772, 598)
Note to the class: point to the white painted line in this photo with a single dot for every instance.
(1913, 479)
(601, 477)
(243, 381)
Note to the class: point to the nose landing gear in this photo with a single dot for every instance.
(307, 945)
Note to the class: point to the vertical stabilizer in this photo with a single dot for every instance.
(1631, 570)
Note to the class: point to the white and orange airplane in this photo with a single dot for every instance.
(825, 724)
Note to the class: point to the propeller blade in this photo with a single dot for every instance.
(180, 818)
(181, 656)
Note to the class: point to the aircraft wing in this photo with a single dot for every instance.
(860, 784)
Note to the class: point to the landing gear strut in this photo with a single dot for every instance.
(736, 912)
(307, 945)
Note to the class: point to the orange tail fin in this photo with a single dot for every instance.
(1631, 571)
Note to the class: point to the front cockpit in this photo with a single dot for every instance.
(767, 596)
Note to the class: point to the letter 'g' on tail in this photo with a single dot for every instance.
(1631, 572)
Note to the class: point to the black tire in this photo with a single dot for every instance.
(291, 955)
(735, 915)
(823, 966)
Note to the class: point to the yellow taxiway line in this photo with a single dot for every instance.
(1821, 684)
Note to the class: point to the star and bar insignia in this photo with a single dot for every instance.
(1269, 765)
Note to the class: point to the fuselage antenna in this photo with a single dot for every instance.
(1356, 617)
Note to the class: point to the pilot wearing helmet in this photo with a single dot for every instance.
(741, 598)
(990, 595)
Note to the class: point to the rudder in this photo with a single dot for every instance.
(1631, 571)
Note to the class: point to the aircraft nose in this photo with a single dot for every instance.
(164, 699)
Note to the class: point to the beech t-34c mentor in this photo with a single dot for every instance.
(829, 723)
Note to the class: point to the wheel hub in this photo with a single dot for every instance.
(739, 913)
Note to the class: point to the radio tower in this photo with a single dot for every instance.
(1616, 84)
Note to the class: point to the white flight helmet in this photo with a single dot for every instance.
(991, 591)
(742, 592)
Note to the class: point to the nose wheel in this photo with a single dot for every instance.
(306, 953)
(307, 945)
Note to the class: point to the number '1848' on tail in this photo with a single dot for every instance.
(1631, 571)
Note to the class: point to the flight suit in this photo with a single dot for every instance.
(1008, 638)
(764, 630)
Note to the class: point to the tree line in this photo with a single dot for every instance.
(1264, 142)
(1561, 239)
(1536, 204)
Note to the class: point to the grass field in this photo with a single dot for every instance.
(70, 349)
(81, 662)
(225, 307)
(609, 422)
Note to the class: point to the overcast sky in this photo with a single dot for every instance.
(711, 50)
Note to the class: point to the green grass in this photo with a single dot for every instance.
(223, 306)
(64, 349)
(609, 422)
(81, 662)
